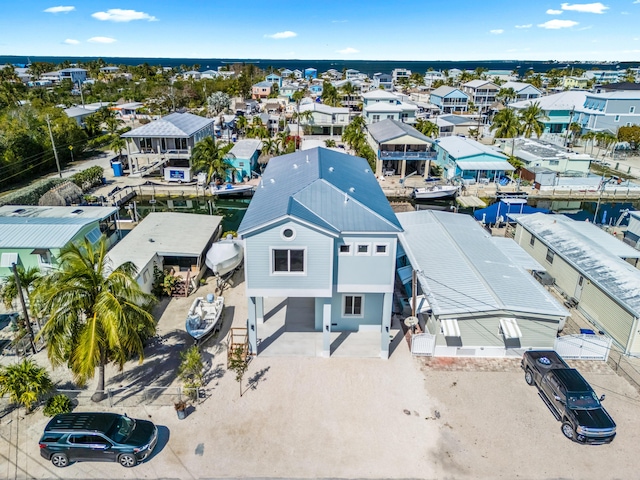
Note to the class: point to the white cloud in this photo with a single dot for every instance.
(347, 51)
(528, 25)
(558, 24)
(120, 15)
(59, 9)
(71, 41)
(101, 40)
(496, 31)
(551, 11)
(281, 35)
(585, 7)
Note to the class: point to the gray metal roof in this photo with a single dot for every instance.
(497, 165)
(517, 254)
(389, 129)
(462, 271)
(333, 190)
(245, 148)
(593, 252)
(460, 147)
(175, 125)
(45, 227)
(166, 234)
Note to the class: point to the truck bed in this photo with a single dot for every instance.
(543, 360)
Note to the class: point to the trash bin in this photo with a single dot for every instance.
(117, 169)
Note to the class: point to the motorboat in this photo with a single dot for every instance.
(233, 189)
(204, 316)
(225, 256)
(435, 191)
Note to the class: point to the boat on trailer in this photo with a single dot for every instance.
(225, 256)
(204, 316)
(435, 191)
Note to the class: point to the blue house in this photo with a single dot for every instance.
(244, 158)
(320, 229)
(466, 158)
(310, 72)
(316, 90)
(449, 99)
(273, 78)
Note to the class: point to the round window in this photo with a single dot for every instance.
(288, 234)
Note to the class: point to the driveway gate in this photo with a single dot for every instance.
(423, 344)
(583, 347)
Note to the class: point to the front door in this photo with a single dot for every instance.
(578, 293)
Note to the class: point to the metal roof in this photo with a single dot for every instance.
(46, 227)
(322, 108)
(445, 90)
(480, 83)
(175, 125)
(167, 234)
(460, 147)
(245, 148)
(389, 129)
(558, 101)
(518, 86)
(497, 165)
(462, 271)
(379, 94)
(597, 255)
(333, 190)
(517, 254)
(73, 112)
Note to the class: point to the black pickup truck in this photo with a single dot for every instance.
(569, 397)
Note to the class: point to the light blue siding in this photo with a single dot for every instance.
(371, 316)
(371, 272)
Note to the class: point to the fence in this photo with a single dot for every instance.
(423, 344)
(583, 347)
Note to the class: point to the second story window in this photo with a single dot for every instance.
(362, 249)
(550, 255)
(288, 261)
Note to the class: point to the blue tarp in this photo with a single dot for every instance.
(503, 208)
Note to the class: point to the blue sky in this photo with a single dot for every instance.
(328, 29)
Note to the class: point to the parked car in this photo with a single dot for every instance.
(569, 397)
(99, 437)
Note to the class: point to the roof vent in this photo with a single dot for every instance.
(295, 165)
(352, 189)
(19, 211)
(331, 169)
(77, 212)
(366, 170)
(272, 180)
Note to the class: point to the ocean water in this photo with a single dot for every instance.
(365, 66)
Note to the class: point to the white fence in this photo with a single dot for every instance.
(583, 347)
(423, 344)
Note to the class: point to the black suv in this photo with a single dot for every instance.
(101, 437)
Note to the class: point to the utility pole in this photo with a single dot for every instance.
(53, 144)
(24, 307)
(566, 136)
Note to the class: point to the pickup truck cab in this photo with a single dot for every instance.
(569, 397)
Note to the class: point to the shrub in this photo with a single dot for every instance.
(57, 404)
(89, 178)
(25, 382)
(31, 194)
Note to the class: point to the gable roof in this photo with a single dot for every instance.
(246, 147)
(322, 108)
(479, 83)
(175, 125)
(459, 147)
(379, 94)
(558, 101)
(519, 86)
(332, 190)
(444, 90)
(389, 129)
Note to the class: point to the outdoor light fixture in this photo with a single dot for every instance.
(326, 327)
(253, 327)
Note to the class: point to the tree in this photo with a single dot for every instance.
(25, 382)
(330, 94)
(218, 102)
(353, 134)
(238, 365)
(297, 97)
(97, 314)
(241, 124)
(430, 129)
(590, 136)
(605, 139)
(330, 143)
(112, 124)
(631, 135)
(117, 145)
(506, 95)
(531, 120)
(506, 124)
(28, 280)
(191, 370)
(208, 156)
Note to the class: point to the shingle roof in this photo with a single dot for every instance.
(175, 125)
(389, 129)
(333, 190)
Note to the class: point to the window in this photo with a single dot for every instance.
(345, 249)
(554, 162)
(550, 256)
(375, 118)
(532, 240)
(181, 143)
(362, 249)
(632, 109)
(353, 306)
(94, 235)
(145, 144)
(288, 261)
(145, 275)
(382, 249)
(288, 234)
(88, 440)
(616, 118)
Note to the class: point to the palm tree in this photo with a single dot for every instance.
(348, 90)
(113, 124)
(576, 131)
(208, 156)
(605, 139)
(28, 280)
(241, 124)
(506, 124)
(506, 95)
(590, 136)
(353, 134)
(92, 124)
(531, 119)
(330, 143)
(25, 382)
(430, 129)
(97, 314)
(117, 145)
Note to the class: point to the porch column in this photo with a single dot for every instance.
(252, 328)
(326, 327)
(378, 166)
(129, 156)
(259, 310)
(386, 325)
(403, 167)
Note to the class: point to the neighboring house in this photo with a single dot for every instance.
(315, 89)
(430, 77)
(288, 89)
(352, 74)
(475, 295)
(400, 148)
(76, 75)
(381, 105)
(560, 109)
(210, 74)
(610, 111)
(244, 158)
(449, 125)
(466, 158)
(127, 110)
(399, 73)
(605, 76)
(382, 81)
(588, 265)
(575, 82)
(110, 69)
(617, 87)
(168, 240)
(632, 234)
(325, 120)
(500, 75)
(481, 92)
(78, 114)
(537, 153)
(167, 142)
(354, 99)
(261, 90)
(320, 233)
(192, 75)
(286, 73)
(33, 236)
(310, 72)
(449, 99)
(273, 78)
(524, 91)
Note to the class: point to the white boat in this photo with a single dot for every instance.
(225, 256)
(204, 316)
(435, 191)
(229, 189)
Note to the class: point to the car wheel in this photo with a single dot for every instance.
(528, 377)
(128, 460)
(60, 460)
(567, 430)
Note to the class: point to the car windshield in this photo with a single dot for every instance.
(121, 429)
(583, 400)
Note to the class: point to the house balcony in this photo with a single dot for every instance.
(385, 155)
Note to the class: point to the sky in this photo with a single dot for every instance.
(327, 29)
